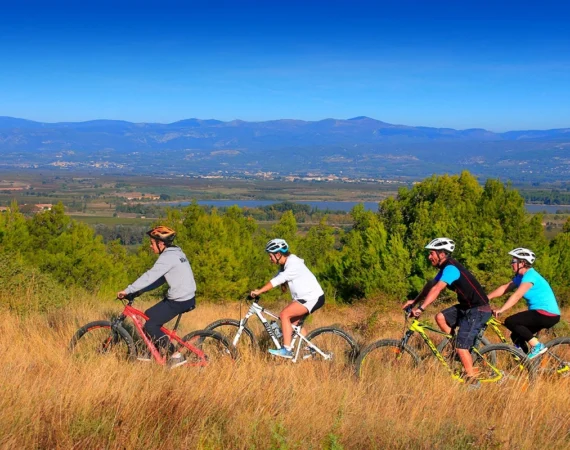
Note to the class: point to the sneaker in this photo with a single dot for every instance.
(176, 360)
(283, 352)
(472, 383)
(144, 356)
(537, 350)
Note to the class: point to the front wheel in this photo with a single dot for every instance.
(384, 357)
(245, 342)
(555, 363)
(335, 345)
(502, 363)
(206, 347)
(100, 338)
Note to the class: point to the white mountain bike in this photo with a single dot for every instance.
(327, 343)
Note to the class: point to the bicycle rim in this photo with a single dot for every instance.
(504, 365)
(336, 346)
(229, 327)
(384, 358)
(555, 363)
(207, 348)
(98, 340)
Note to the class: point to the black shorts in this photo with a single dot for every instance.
(470, 321)
(312, 306)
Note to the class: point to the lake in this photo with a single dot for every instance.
(346, 206)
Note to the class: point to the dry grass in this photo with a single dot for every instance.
(48, 400)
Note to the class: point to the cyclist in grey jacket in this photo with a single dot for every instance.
(173, 268)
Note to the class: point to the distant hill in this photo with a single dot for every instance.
(357, 147)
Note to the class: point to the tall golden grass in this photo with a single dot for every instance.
(49, 400)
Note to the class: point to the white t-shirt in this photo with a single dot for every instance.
(302, 283)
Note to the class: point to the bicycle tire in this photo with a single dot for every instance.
(384, 356)
(229, 327)
(510, 365)
(335, 343)
(215, 347)
(101, 338)
(555, 363)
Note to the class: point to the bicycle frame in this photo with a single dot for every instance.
(257, 310)
(418, 327)
(136, 316)
(495, 326)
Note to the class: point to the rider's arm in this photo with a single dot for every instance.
(421, 295)
(502, 290)
(266, 287)
(152, 278)
(433, 294)
(515, 297)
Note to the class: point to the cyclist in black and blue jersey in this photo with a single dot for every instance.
(473, 309)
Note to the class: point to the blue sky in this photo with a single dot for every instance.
(460, 64)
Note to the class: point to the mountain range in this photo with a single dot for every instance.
(357, 147)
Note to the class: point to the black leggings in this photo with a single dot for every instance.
(161, 313)
(526, 324)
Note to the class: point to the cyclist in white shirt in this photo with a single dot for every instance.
(306, 291)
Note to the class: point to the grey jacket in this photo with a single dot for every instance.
(172, 267)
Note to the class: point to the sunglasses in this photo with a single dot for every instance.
(514, 261)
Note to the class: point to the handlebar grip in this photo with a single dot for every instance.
(408, 309)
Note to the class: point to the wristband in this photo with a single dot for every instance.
(421, 308)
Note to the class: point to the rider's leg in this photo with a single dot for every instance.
(526, 324)
(470, 323)
(161, 313)
(447, 319)
(293, 311)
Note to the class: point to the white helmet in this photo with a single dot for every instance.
(276, 245)
(524, 254)
(441, 243)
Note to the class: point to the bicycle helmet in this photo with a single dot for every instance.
(277, 245)
(523, 253)
(162, 233)
(441, 243)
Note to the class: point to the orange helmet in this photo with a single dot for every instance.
(162, 233)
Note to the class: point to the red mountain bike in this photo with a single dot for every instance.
(111, 338)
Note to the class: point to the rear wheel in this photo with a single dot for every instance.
(383, 357)
(207, 347)
(502, 363)
(97, 339)
(338, 347)
(555, 363)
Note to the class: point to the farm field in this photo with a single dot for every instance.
(48, 400)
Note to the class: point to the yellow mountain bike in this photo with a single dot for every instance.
(495, 363)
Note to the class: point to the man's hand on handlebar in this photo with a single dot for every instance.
(121, 294)
(255, 293)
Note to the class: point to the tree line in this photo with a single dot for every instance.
(380, 255)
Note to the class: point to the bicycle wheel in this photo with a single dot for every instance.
(98, 339)
(207, 347)
(381, 357)
(555, 363)
(229, 328)
(338, 347)
(502, 363)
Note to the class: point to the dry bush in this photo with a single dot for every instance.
(49, 400)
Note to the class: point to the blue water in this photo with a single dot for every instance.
(346, 206)
(323, 205)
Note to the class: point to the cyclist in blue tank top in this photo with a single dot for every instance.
(543, 310)
(473, 309)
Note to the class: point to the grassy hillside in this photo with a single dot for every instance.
(48, 400)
